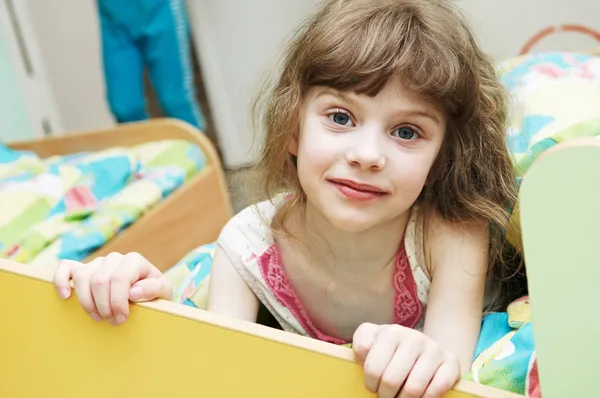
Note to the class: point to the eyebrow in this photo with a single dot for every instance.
(338, 94)
(403, 112)
(421, 113)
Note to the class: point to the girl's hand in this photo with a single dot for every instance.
(105, 286)
(402, 362)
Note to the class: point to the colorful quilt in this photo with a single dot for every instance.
(69, 206)
(554, 97)
(505, 353)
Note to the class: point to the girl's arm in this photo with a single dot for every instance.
(229, 293)
(458, 255)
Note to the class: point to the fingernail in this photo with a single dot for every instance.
(64, 293)
(120, 319)
(95, 316)
(135, 293)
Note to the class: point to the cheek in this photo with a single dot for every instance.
(412, 173)
(310, 159)
(313, 163)
(316, 149)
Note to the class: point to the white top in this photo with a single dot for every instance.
(248, 242)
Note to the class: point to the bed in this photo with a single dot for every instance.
(211, 355)
(52, 347)
(555, 97)
(176, 210)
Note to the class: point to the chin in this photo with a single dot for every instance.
(350, 221)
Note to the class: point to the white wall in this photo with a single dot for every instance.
(237, 42)
(238, 39)
(68, 35)
(504, 26)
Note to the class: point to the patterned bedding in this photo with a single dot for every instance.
(555, 97)
(66, 207)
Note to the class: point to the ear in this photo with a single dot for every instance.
(438, 167)
(293, 146)
(436, 171)
(433, 175)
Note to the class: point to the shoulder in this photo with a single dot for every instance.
(249, 231)
(439, 229)
(255, 219)
(463, 244)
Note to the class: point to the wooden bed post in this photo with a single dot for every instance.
(560, 217)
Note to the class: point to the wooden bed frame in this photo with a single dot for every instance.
(192, 215)
(52, 348)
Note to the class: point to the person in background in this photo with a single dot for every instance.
(151, 34)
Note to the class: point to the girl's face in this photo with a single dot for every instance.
(363, 161)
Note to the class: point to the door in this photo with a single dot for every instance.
(26, 106)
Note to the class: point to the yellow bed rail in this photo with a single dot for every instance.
(51, 348)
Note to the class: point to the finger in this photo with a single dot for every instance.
(63, 275)
(421, 374)
(379, 357)
(81, 284)
(399, 368)
(447, 375)
(100, 284)
(150, 289)
(132, 269)
(363, 340)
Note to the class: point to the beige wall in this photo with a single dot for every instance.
(503, 26)
(68, 36)
(238, 41)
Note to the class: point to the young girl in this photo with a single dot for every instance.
(388, 184)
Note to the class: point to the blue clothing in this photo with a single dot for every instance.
(152, 34)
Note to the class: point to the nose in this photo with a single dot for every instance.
(367, 151)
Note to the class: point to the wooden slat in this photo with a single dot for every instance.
(127, 135)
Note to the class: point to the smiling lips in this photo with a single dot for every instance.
(357, 191)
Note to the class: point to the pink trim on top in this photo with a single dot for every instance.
(407, 307)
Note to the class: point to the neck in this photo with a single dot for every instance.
(340, 251)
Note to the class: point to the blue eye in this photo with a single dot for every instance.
(341, 119)
(406, 133)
